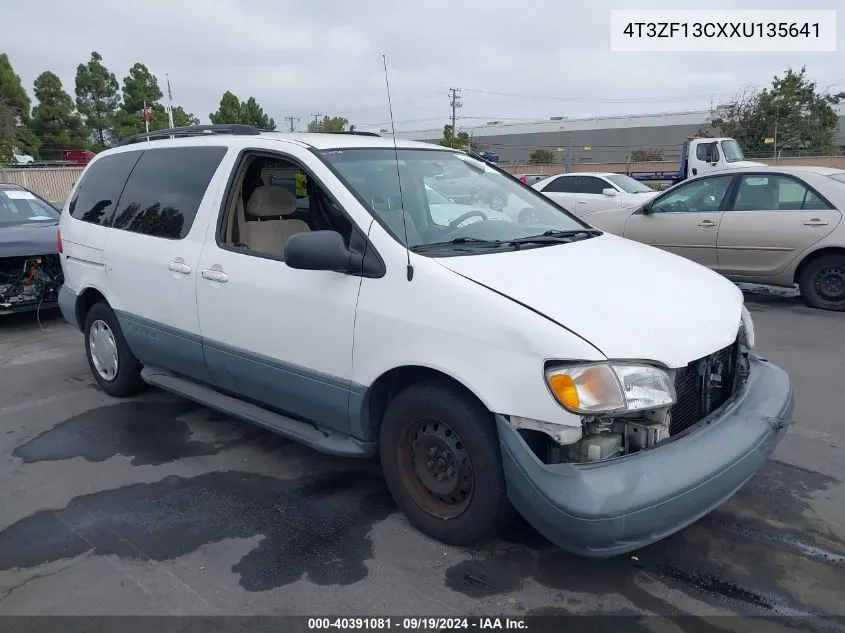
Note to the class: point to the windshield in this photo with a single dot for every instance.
(492, 208)
(731, 151)
(435, 197)
(19, 206)
(628, 184)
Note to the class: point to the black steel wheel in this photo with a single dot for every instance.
(822, 283)
(441, 459)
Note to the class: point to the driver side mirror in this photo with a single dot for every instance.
(318, 250)
(610, 192)
(646, 208)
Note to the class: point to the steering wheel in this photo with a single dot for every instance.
(466, 216)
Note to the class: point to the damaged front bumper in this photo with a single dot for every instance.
(29, 283)
(604, 509)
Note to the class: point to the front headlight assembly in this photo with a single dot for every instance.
(612, 387)
(746, 329)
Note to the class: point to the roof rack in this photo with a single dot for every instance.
(359, 133)
(237, 129)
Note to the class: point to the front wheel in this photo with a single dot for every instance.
(822, 283)
(441, 458)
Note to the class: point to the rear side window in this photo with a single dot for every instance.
(564, 184)
(591, 184)
(165, 189)
(97, 195)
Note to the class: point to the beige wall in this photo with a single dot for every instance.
(55, 183)
(51, 183)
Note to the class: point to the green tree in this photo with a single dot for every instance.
(13, 94)
(794, 108)
(449, 139)
(8, 131)
(54, 120)
(541, 157)
(97, 99)
(645, 154)
(331, 125)
(229, 110)
(140, 87)
(182, 118)
(233, 110)
(253, 114)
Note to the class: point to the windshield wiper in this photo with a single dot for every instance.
(459, 241)
(555, 237)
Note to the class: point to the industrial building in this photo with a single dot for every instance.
(592, 140)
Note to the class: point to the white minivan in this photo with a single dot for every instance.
(606, 390)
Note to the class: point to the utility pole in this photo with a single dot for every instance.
(293, 120)
(455, 103)
(317, 119)
(775, 155)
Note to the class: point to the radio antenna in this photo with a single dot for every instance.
(410, 269)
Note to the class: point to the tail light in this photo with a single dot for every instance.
(59, 241)
(523, 180)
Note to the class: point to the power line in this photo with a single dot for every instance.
(292, 120)
(317, 119)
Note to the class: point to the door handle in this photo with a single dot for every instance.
(815, 222)
(215, 275)
(582, 202)
(707, 223)
(179, 267)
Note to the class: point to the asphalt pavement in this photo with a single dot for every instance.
(157, 506)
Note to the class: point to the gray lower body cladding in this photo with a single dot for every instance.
(609, 508)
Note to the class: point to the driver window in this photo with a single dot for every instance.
(702, 195)
(707, 152)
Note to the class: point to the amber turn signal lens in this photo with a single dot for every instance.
(565, 389)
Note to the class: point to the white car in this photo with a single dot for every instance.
(583, 194)
(543, 366)
(21, 159)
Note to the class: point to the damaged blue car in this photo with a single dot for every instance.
(30, 270)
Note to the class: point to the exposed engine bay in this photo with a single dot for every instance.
(701, 388)
(29, 283)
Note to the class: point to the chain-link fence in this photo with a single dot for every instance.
(51, 183)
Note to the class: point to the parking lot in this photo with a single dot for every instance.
(157, 506)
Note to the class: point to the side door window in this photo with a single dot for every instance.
(563, 184)
(703, 195)
(591, 185)
(707, 152)
(775, 192)
(164, 192)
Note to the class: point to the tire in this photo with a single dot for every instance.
(100, 323)
(472, 505)
(822, 283)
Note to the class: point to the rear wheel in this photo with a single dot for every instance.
(822, 283)
(441, 459)
(112, 363)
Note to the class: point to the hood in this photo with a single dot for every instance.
(629, 300)
(28, 239)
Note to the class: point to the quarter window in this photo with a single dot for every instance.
(96, 197)
(164, 191)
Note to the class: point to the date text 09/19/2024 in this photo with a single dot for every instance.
(416, 624)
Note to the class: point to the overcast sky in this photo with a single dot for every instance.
(324, 56)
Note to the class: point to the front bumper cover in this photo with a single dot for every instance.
(606, 509)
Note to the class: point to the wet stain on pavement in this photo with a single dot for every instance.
(152, 433)
(316, 527)
(692, 560)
